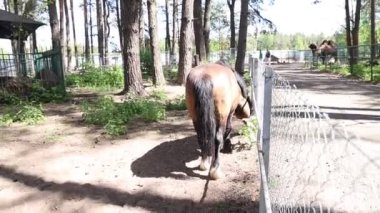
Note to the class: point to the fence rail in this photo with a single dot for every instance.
(308, 163)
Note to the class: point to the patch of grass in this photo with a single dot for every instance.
(9, 98)
(36, 94)
(249, 130)
(360, 70)
(94, 77)
(40, 94)
(25, 113)
(114, 117)
(176, 104)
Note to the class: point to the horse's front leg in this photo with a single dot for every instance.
(215, 171)
(227, 146)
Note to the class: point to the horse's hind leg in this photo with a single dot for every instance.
(215, 171)
(205, 158)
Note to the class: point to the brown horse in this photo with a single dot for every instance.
(214, 93)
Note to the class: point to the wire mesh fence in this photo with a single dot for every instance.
(312, 163)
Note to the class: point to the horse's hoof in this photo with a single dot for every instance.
(204, 165)
(227, 147)
(215, 173)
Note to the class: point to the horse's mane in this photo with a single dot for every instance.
(239, 78)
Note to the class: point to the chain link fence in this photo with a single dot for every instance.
(308, 162)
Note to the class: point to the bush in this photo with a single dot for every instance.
(249, 130)
(37, 94)
(25, 113)
(146, 60)
(97, 77)
(114, 117)
(177, 104)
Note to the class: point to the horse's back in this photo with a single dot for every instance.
(225, 89)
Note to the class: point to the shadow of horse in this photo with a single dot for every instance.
(169, 160)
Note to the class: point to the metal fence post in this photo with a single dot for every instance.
(264, 99)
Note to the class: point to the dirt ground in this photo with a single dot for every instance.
(64, 165)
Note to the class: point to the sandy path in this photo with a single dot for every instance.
(62, 165)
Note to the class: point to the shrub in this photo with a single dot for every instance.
(97, 77)
(249, 130)
(25, 113)
(114, 117)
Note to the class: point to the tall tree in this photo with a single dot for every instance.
(348, 30)
(86, 36)
(131, 50)
(68, 47)
(242, 43)
(74, 33)
(100, 27)
(62, 30)
(231, 7)
(373, 30)
(198, 30)
(158, 78)
(118, 19)
(54, 24)
(174, 33)
(167, 38)
(91, 32)
(141, 24)
(355, 32)
(207, 26)
(106, 13)
(185, 58)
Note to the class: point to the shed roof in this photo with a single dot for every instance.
(10, 22)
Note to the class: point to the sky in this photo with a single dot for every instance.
(289, 16)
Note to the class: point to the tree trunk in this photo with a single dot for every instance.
(106, 9)
(86, 36)
(118, 6)
(132, 72)
(62, 31)
(158, 78)
(355, 32)
(373, 31)
(141, 25)
(240, 60)
(174, 34)
(231, 6)
(167, 38)
(54, 24)
(198, 30)
(5, 2)
(74, 33)
(91, 34)
(68, 47)
(207, 26)
(185, 41)
(100, 27)
(348, 32)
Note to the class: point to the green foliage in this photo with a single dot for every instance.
(97, 77)
(159, 94)
(37, 94)
(9, 98)
(249, 130)
(40, 94)
(360, 70)
(177, 104)
(114, 117)
(25, 113)
(146, 60)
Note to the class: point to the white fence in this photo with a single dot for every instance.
(307, 163)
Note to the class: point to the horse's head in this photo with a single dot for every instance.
(244, 108)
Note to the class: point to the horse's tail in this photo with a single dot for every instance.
(205, 112)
